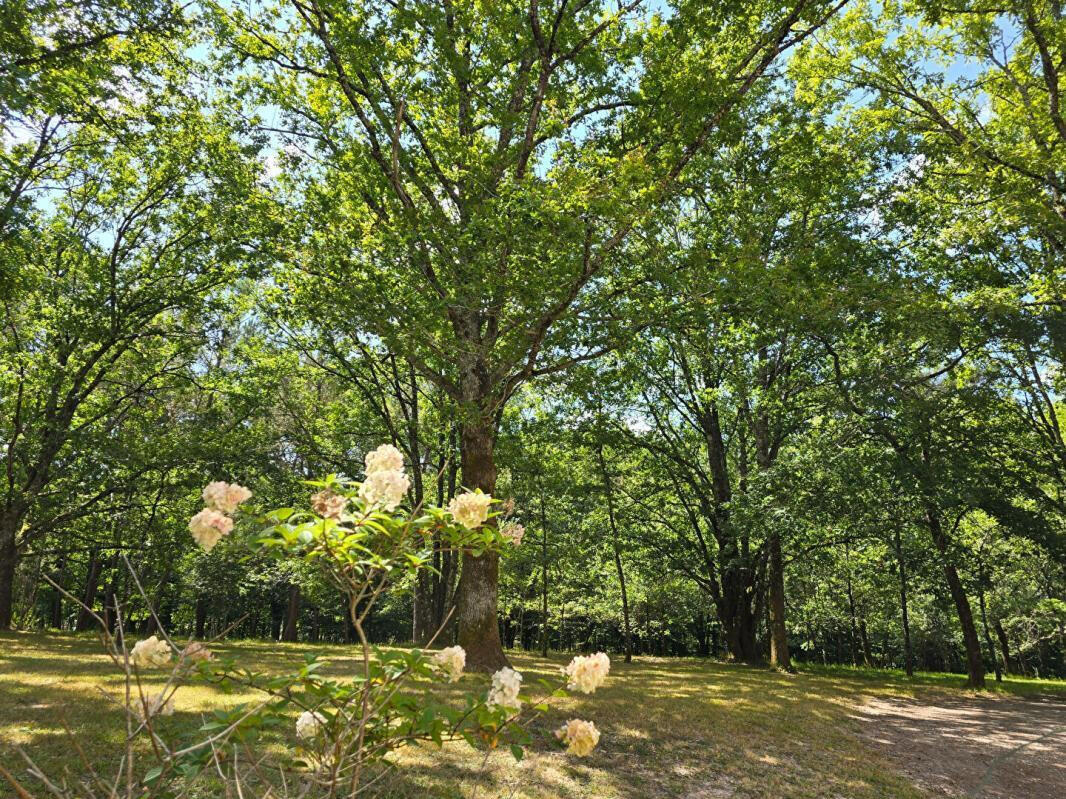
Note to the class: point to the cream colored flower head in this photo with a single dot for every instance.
(309, 724)
(506, 683)
(385, 458)
(470, 509)
(587, 673)
(384, 490)
(150, 652)
(208, 527)
(451, 662)
(155, 706)
(329, 505)
(225, 497)
(513, 532)
(579, 736)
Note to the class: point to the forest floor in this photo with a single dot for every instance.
(684, 728)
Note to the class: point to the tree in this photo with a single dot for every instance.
(110, 283)
(467, 179)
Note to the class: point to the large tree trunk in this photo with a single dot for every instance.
(779, 656)
(292, 616)
(975, 665)
(479, 628)
(9, 527)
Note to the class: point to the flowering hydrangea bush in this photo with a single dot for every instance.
(345, 729)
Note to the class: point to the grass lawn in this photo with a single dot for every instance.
(670, 728)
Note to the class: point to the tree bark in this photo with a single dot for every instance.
(9, 556)
(975, 665)
(292, 616)
(779, 655)
(479, 627)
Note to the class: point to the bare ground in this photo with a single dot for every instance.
(975, 747)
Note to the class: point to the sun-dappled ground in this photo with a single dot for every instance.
(670, 727)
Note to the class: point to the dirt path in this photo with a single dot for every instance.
(975, 747)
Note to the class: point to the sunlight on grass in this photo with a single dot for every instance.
(670, 727)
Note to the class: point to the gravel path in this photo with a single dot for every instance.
(975, 747)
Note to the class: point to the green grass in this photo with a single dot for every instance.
(670, 727)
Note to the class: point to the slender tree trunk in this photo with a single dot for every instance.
(543, 577)
(779, 655)
(292, 616)
(200, 623)
(1004, 645)
(974, 659)
(60, 576)
(988, 635)
(908, 650)
(479, 627)
(608, 488)
(88, 597)
(853, 635)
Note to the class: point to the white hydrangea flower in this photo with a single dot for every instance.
(329, 505)
(309, 724)
(384, 490)
(225, 497)
(506, 683)
(513, 532)
(208, 527)
(155, 706)
(587, 673)
(451, 661)
(470, 509)
(385, 458)
(150, 652)
(580, 736)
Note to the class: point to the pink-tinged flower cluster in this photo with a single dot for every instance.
(587, 672)
(513, 532)
(506, 683)
(212, 524)
(208, 527)
(196, 652)
(579, 736)
(471, 509)
(225, 497)
(150, 652)
(328, 504)
(451, 661)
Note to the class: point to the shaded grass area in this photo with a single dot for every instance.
(670, 727)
